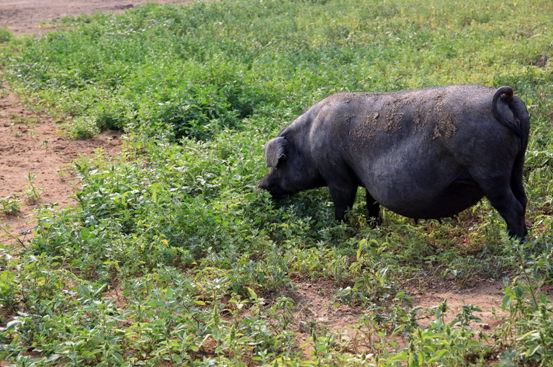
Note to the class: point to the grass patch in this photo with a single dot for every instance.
(172, 256)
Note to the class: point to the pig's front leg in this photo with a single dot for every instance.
(343, 197)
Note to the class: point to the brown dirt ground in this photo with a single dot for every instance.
(315, 305)
(26, 16)
(22, 150)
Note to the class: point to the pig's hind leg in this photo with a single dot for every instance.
(500, 194)
(517, 185)
(374, 210)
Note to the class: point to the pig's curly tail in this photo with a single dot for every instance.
(506, 95)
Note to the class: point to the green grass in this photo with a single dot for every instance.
(200, 260)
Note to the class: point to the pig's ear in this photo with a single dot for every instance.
(275, 150)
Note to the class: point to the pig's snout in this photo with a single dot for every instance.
(268, 183)
(263, 186)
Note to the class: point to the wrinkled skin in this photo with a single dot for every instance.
(427, 153)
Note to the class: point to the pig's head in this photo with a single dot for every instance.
(291, 171)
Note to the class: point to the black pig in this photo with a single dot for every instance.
(427, 153)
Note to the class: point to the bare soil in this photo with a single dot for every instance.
(27, 16)
(30, 144)
(23, 151)
(316, 308)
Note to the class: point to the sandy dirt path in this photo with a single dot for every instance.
(25, 16)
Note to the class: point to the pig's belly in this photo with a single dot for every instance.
(423, 191)
(447, 203)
